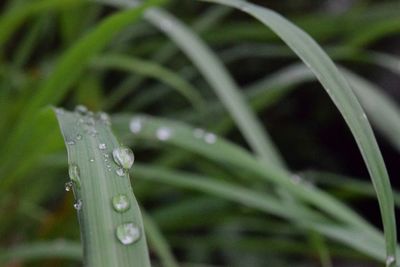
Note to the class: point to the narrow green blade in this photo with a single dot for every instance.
(110, 220)
(342, 95)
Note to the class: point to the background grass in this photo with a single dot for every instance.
(282, 182)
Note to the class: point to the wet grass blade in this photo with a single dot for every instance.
(342, 95)
(220, 150)
(264, 203)
(223, 84)
(110, 220)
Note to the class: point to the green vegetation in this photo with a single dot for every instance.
(192, 88)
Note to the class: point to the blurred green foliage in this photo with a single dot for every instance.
(70, 52)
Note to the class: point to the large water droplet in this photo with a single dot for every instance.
(78, 205)
(120, 203)
(74, 174)
(210, 138)
(128, 233)
(135, 125)
(102, 146)
(163, 133)
(124, 157)
(81, 109)
(390, 261)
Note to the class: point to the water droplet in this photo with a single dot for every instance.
(81, 109)
(163, 133)
(78, 137)
(120, 172)
(91, 160)
(198, 133)
(68, 186)
(120, 203)
(78, 205)
(128, 233)
(135, 125)
(106, 155)
(390, 260)
(210, 138)
(74, 174)
(102, 146)
(105, 118)
(124, 157)
(70, 142)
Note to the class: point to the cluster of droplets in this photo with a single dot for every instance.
(164, 133)
(127, 233)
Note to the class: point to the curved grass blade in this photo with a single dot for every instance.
(157, 240)
(154, 70)
(342, 95)
(350, 236)
(224, 86)
(215, 148)
(110, 221)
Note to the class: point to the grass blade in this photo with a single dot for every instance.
(151, 69)
(96, 181)
(342, 95)
(59, 249)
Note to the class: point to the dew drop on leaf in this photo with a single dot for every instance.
(68, 186)
(210, 138)
(390, 261)
(120, 172)
(74, 174)
(81, 109)
(78, 205)
(70, 142)
(123, 157)
(128, 233)
(120, 203)
(104, 118)
(102, 146)
(163, 133)
(135, 125)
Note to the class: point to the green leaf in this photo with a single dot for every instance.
(342, 95)
(111, 236)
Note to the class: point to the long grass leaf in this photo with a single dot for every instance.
(110, 220)
(342, 95)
